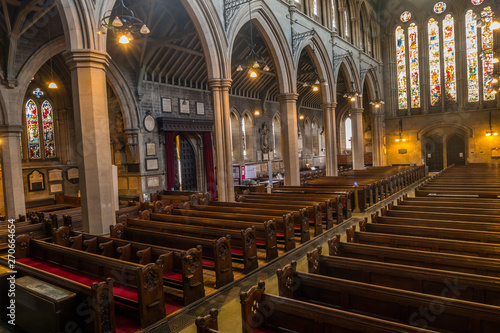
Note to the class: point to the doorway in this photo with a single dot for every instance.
(185, 165)
(434, 153)
(455, 150)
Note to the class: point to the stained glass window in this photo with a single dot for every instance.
(471, 43)
(315, 7)
(401, 71)
(449, 58)
(487, 44)
(348, 133)
(477, 2)
(413, 55)
(333, 13)
(346, 22)
(244, 142)
(434, 62)
(439, 7)
(406, 16)
(32, 130)
(48, 130)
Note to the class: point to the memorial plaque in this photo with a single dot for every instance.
(55, 175)
(36, 181)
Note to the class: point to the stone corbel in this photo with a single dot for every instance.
(132, 141)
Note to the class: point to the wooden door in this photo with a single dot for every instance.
(434, 153)
(187, 174)
(455, 150)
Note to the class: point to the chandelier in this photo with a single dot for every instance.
(353, 93)
(315, 82)
(377, 102)
(253, 61)
(123, 22)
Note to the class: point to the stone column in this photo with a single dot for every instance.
(222, 138)
(88, 79)
(378, 137)
(12, 169)
(330, 138)
(358, 162)
(289, 138)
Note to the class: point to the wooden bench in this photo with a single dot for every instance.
(473, 288)
(425, 243)
(331, 205)
(432, 232)
(265, 233)
(409, 221)
(301, 217)
(138, 286)
(216, 254)
(208, 323)
(181, 269)
(35, 229)
(277, 202)
(396, 305)
(409, 257)
(243, 242)
(269, 313)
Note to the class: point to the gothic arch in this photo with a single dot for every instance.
(322, 61)
(446, 124)
(275, 38)
(348, 67)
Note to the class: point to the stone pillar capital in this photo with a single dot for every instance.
(356, 110)
(332, 105)
(10, 130)
(287, 97)
(86, 58)
(219, 84)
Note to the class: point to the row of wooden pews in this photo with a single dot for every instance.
(363, 188)
(429, 263)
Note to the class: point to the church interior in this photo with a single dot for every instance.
(249, 166)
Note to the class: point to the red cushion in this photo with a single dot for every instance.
(237, 251)
(173, 276)
(261, 242)
(209, 263)
(280, 234)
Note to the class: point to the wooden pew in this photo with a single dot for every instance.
(409, 221)
(304, 211)
(216, 253)
(265, 232)
(447, 209)
(432, 232)
(243, 242)
(98, 296)
(181, 269)
(208, 323)
(138, 286)
(442, 261)
(268, 313)
(473, 288)
(36, 229)
(450, 202)
(425, 243)
(301, 217)
(330, 204)
(388, 303)
(441, 216)
(277, 202)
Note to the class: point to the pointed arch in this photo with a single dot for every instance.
(275, 38)
(350, 72)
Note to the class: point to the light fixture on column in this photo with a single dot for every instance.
(256, 113)
(301, 116)
(353, 93)
(490, 132)
(377, 102)
(52, 84)
(315, 82)
(400, 132)
(123, 23)
(253, 61)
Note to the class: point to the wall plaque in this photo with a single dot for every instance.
(183, 105)
(151, 164)
(72, 175)
(56, 188)
(55, 175)
(200, 108)
(166, 104)
(153, 181)
(36, 181)
(150, 149)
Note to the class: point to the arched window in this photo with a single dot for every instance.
(414, 67)
(434, 62)
(487, 45)
(40, 120)
(334, 20)
(472, 54)
(348, 133)
(243, 136)
(276, 137)
(449, 58)
(401, 68)
(315, 7)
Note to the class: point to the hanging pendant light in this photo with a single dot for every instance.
(123, 22)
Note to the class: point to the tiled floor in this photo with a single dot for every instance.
(226, 299)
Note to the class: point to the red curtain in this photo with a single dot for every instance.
(209, 164)
(170, 159)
